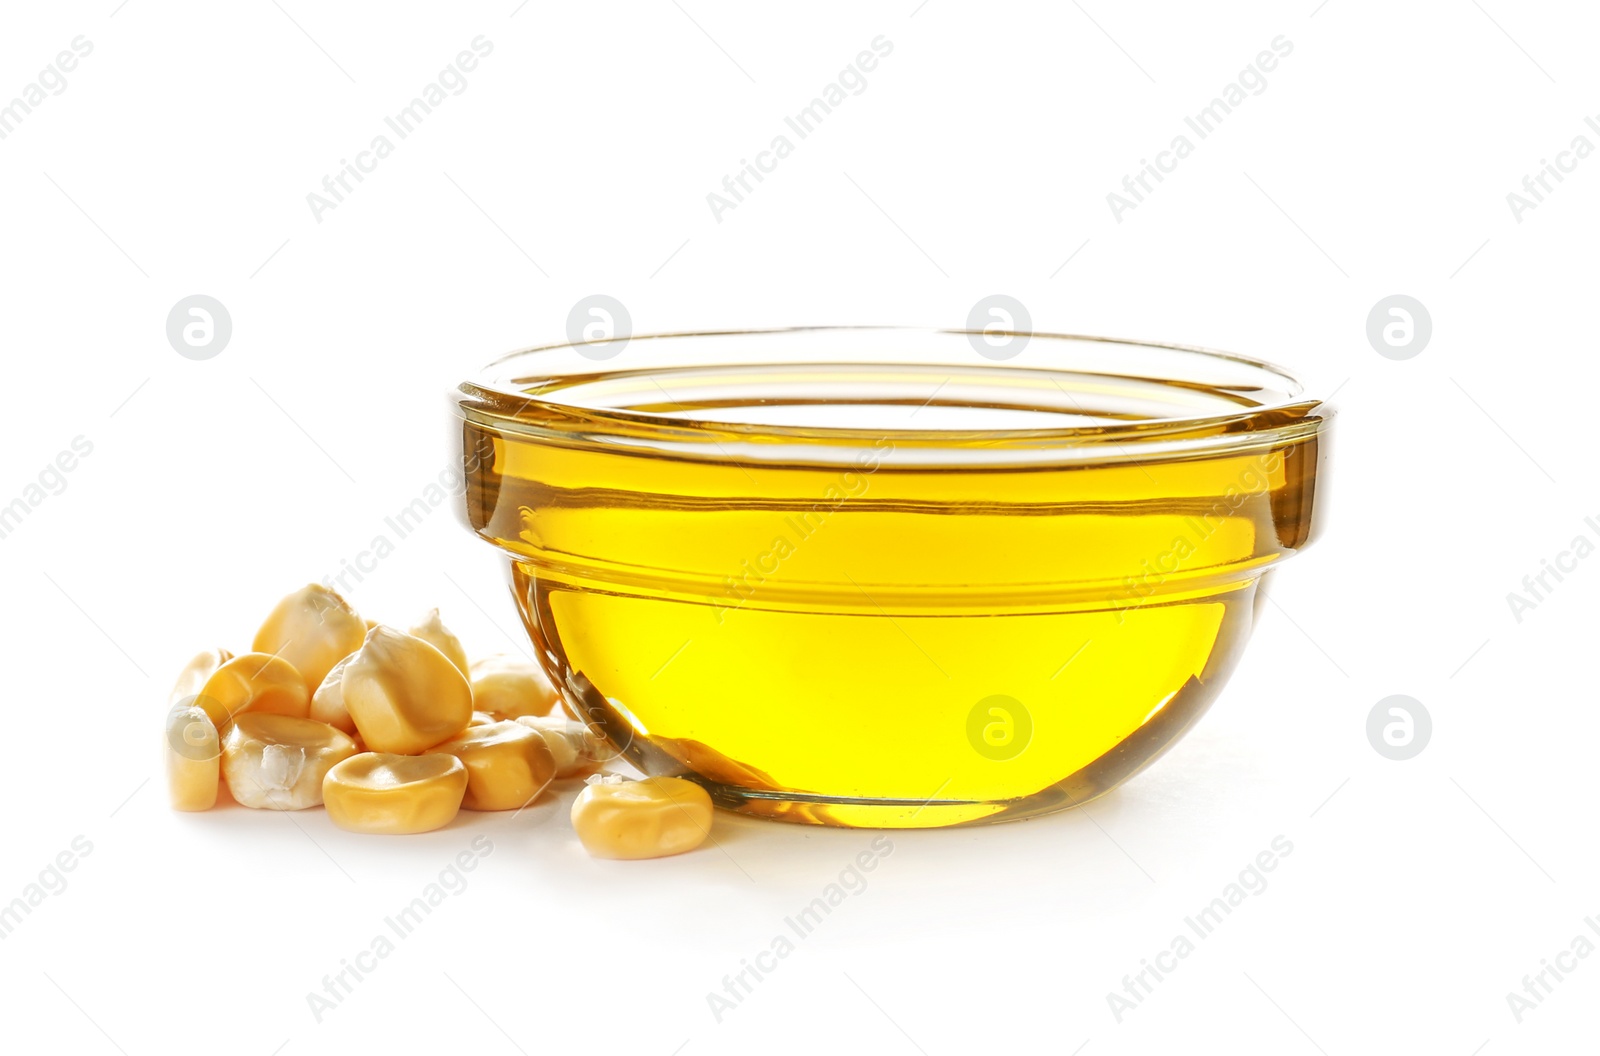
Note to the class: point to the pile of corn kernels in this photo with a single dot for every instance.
(395, 732)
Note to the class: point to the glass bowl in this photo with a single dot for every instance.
(878, 577)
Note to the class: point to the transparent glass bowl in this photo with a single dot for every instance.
(885, 577)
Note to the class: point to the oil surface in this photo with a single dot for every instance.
(902, 639)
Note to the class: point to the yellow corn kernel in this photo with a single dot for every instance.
(277, 762)
(194, 755)
(508, 687)
(193, 677)
(432, 630)
(313, 629)
(481, 718)
(404, 695)
(394, 794)
(641, 819)
(575, 747)
(327, 703)
(255, 682)
(507, 765)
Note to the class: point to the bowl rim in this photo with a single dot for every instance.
(480, 399)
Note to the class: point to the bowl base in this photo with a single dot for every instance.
(903, 753)
(1141, 749)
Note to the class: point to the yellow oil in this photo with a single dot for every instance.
(895, 641)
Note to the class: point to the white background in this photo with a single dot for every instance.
(1377, 161)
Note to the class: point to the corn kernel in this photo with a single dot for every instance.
(652, 818)
(575, 747)
(394, 794)
(511, 686)
(507, 765)
(194, 755)
(481, 718)
(313, 629)
(404, 695)
(193, 677)
(327, 703)
(253, 682)
(432, 630)
(277, 762)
